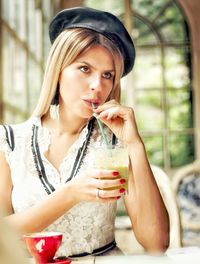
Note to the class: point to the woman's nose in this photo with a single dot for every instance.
(95, 83)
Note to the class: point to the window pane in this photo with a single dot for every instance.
(9, 117)
(31, 25)
(13, 117)
(180, 112)
(181, 149)
(177, 72)
(173, 32)
(148, 69)
(148, 8)
(14, 82)
(26, 21)
(19, 92)
(154, 147)
(34, 83)
(47, 8)
(149, 111)
(116, 7)
(46, 42)
(172, 25)
(5, 9)
(11, 18)
(8, 55)
(39, 33)
(143, 35)
(20, 18)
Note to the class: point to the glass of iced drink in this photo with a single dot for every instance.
(113, 158)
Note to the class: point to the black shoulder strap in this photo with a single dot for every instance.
(9, 136)
(114, 140)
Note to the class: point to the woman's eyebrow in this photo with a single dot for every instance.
(89, 65)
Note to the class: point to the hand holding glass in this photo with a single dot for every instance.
(115, 158)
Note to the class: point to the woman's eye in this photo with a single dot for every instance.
(84, 69)
(107, 75)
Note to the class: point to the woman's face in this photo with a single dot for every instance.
(88, 79)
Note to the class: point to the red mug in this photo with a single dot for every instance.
(43, 245)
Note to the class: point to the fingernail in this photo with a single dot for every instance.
(122, 190)
(122, 181)
(115, 173)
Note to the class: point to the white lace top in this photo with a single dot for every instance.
(86, 226)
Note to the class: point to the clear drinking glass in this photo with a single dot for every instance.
(115, 158)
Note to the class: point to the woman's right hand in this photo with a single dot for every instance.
(92, 184)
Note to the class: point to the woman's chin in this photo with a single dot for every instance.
(86, 114)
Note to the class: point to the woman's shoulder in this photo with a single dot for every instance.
(9, 133)
(20, 127)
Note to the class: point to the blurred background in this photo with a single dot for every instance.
(163, 88)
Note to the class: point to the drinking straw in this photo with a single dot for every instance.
(100, 126)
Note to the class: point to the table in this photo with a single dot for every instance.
(185, 255)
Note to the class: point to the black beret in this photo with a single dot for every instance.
(102, 22)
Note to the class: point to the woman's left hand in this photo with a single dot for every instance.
(120, 119)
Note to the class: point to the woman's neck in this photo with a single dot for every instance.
(64, 124)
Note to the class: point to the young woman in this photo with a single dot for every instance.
(47, 181)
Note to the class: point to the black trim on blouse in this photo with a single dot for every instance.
(9, 136)
(38, 161)
(49, 188)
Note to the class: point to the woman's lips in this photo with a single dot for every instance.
(96, 103)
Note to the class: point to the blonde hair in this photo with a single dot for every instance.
(65, 49)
